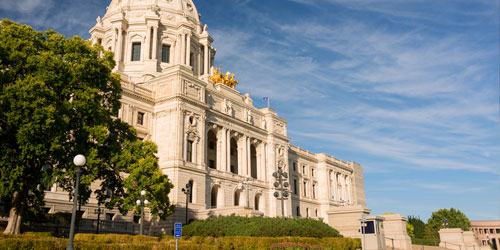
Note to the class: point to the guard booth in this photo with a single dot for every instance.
(372, 233)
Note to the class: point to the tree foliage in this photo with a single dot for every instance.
(418, 227)
(453, 217)
(58, 97)
(143, 173)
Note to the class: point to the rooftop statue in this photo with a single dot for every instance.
(227, 79)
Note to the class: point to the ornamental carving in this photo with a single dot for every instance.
(227, 107)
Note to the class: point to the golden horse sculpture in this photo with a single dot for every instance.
(227, 79)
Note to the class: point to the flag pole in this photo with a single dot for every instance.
(268, 102)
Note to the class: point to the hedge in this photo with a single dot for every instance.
(259, 227)
(125, 242)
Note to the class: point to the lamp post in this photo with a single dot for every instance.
(141, 202)
(187, 191)
(79, 161)
(246, 182)
(445, 222)
(281, 185)
(98, 211)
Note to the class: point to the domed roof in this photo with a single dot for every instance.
(163, 7)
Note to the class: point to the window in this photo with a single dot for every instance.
(307, 212)
(298, 211)
(256, 202)
(316, 213)
(191, 60)
(109, 216)
(213, 197)
(140, 118)
(314, 191)
(234, 156)
(312, 171)
(304, 169)
(165, 53)
(189, 154)
(492, 231)
(294, 166)
(99, 41)
(498, 230)
(212, 151)
(237, 198)
(305, 188)
(136, 51)
(191, 185)
(294, 186)
(253, 162)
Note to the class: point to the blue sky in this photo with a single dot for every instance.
(407, 88)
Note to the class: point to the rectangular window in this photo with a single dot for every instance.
(165, 53)
(211, 145)
(294, 186)
(314, 191)
(498, 231)
(294, 166)
(312, 171)
(305, 189)
(191, 60)
(189, 155)
(140, 118)
(136, 51)
(211, 163)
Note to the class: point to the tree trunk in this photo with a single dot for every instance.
(16, 214)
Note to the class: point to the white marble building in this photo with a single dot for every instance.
(210, 134)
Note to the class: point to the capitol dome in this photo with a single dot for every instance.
(165, 8)
(151, 37)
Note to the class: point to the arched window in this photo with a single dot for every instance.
(307, 212)
(213, 197)
(234, 156)
(212, 149)
(237, 197)
(253, 161)
(256, 201)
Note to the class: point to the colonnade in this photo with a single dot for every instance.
(340, 187)
(244, 154)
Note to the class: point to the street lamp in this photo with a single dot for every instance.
(187, 191)
(445, 222)
(281, 185)
(246, 182)
(79, 161)
(141, 202)
(98, 211)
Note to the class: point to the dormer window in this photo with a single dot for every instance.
(136, 51)
(165, 53)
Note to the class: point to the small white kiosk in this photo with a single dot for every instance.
(372, 232)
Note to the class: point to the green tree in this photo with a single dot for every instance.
(410, 230)
(418, 227)
(58, 97)
(452, 218)
(142, 173)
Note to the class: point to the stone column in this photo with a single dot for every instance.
(183, 49)
(228, 151)
(221, 151)
(113, 44)
(178, 45)
(335, 188)
(205, 61)
(147, 48)
(188, 50)
(155, 43)
(249, 159)
(118, 52)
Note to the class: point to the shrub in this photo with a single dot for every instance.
(259, 226)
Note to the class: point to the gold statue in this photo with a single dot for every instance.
(227, 79)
